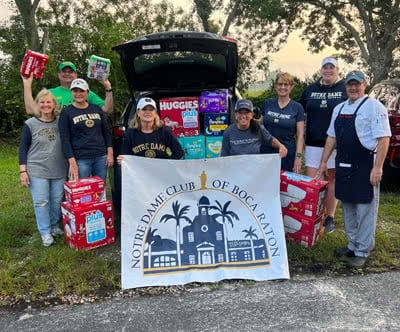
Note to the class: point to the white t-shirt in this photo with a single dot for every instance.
(372, 121)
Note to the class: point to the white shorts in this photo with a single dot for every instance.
(313, 154)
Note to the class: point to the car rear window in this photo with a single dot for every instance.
(150, 62)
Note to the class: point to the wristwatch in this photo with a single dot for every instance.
(299, 155)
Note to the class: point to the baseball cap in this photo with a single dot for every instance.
(355, 75)
(79, 84)
(65, 64)
(330, 60)
(244, 103)
(143, 102)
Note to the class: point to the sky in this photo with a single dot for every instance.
(293, 56)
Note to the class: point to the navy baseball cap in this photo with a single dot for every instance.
(244, 104)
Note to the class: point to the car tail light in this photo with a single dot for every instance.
(118, 131)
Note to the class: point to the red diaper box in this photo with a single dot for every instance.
(33, 62)
(302, 188)
(302, 208)
(85, 190)
(88, 226)
(181, 114)
(303, 230)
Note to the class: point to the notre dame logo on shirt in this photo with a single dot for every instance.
(89, 123)
(150, 154)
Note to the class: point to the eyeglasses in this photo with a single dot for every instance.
(353, 83)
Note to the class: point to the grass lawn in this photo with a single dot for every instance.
(29, 271)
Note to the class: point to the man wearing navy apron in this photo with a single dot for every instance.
(360, 132)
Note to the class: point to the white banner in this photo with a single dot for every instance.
(201, 220)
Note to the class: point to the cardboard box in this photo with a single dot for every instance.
(193, 147)
(88, 226)
(215, 123)
(85, 191)
(181, 114)
(306, 231)
(302, 208)
(213, 146)
(302, 188)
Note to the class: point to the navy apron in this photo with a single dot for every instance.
(353, 162)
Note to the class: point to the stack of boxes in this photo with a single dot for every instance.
(302, 207)
(184, 116)
(87, 215)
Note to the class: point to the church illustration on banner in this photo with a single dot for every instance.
(203, 243)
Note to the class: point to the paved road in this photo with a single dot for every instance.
(352, 303)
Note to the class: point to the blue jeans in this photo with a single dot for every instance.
(95, 167)
(47, 195)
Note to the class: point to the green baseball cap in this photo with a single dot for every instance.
(65, 64)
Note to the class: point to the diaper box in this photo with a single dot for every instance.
(193, 147)
(85, 190)
(215, 123)
(181, 114)
(88, 226)
(213, 101)
(98, 67)
(302, 188)
(33, 62)
(213, 146)
(302, 208)
(306, 231)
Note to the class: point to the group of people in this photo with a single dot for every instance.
(346, 140)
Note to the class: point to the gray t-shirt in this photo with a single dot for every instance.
(236, 141)
(45, 158)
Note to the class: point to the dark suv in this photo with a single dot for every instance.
(388, 92)
(173, 64)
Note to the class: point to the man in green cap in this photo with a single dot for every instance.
(66, 74)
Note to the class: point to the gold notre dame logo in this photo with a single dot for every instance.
(150, 154)
(89, 123)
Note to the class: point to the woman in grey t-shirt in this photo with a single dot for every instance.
(42, 165)
(246, 136)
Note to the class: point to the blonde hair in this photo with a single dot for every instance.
(44, 93)
(135, 122)
(284, 76)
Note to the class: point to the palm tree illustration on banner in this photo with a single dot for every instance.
(179, 214)
(226, 216)
(151, 239)
(251, 234)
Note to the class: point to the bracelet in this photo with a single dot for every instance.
(109, 90)
(299, 155)
(20, 172)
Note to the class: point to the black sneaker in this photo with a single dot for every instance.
(356, 262)
(344, 252)
(329, 224)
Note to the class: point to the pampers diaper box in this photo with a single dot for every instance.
(193, 147)
(213, 146)
(181, 114)
(88, 226)
(215, 123)
(85, 190)
(213, 101)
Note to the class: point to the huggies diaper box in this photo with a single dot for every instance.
(181, 115)
(302, 188)
(303, 230)
(88, 226)
(85, 190)
(33, 62)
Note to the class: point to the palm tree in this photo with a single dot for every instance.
(151, 238)
(226, 216)
(251, 233)
(178, 215)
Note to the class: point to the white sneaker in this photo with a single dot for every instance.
(47, 240)
(56, 231)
